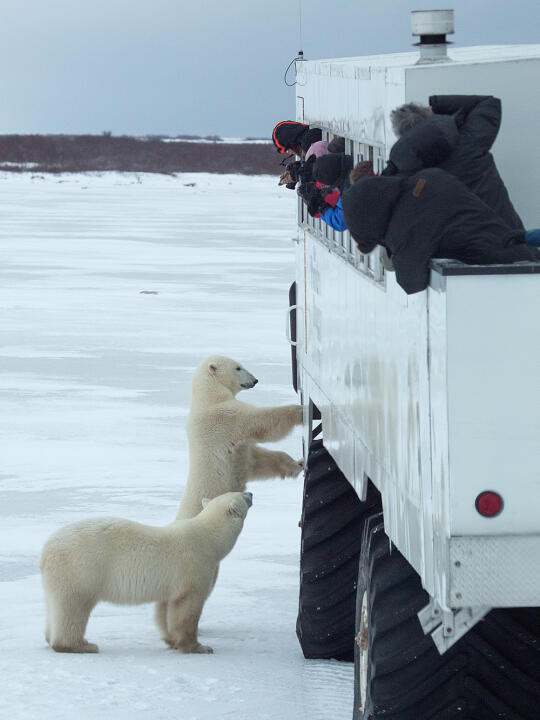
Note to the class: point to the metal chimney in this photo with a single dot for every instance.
(432, 26)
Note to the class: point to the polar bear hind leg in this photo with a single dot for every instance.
(183, 616)
(66, 625)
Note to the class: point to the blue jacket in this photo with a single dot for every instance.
(334, 217)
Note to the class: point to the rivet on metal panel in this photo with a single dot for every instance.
(448, 623)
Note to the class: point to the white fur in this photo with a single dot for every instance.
(124, 562)
(223, 432)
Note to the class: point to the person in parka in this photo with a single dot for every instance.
(457, 137)
(326, 202)
(294, 137)
(429, 214)
(323, 195)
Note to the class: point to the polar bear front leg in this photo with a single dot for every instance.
(272, 463)
(264, 424)
(183, 614)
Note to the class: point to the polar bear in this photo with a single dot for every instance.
(223, 432)
(127, 563)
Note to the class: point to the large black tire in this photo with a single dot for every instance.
(492, 673)
(332, 525)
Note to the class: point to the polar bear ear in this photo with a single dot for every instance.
(212, 368)
(205, 502)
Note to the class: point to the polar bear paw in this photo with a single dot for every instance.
(203, 649)
(89, 647)
(83, 647)
(288, 467)
(195, 648)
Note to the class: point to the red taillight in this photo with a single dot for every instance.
(489, 503)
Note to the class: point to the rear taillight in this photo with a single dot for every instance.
(489, 503)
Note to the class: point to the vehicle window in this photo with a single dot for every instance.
(342, 243)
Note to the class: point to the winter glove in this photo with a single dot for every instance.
(286, 179)
(294, 169)
(331, 198)
(312, 196)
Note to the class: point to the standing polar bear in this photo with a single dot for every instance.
(223, 432)
(127, 563)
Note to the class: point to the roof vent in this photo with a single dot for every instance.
(432, 26)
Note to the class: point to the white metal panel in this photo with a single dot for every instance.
(493, 348)
(503, 569)
(365, 351)
(350, 100)
(439, 507)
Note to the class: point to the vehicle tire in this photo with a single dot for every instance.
(332, 524)
(492, 673)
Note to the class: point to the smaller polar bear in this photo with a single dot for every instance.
(223, 432)
(127, 563)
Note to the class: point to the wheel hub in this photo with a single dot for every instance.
(362, 640)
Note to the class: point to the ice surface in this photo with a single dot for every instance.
(113, 288)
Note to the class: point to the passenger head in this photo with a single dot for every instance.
(287, 136)
(362, 169)
(337, 145)
(332, 170)
(407, 116)
(318, 149)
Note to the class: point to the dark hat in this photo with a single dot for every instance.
(288, 134)
(332, 169)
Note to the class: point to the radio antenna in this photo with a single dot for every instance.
(300, 52)
(300, 55)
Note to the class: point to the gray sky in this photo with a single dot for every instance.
(200, 66)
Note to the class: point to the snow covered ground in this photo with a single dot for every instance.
(112, 289)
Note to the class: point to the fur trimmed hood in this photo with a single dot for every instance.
(428, 144)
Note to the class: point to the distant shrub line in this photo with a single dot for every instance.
(84, 153)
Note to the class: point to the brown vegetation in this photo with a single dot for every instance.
(80, 153)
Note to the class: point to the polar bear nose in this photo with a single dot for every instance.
(248, 497)
(255, 381)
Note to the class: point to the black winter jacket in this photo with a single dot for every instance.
(429, 214)
(458, 139)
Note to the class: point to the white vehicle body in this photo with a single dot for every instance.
(435, 397)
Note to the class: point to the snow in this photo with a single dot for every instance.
(113, 288)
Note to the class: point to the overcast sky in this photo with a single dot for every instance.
(200, 66)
